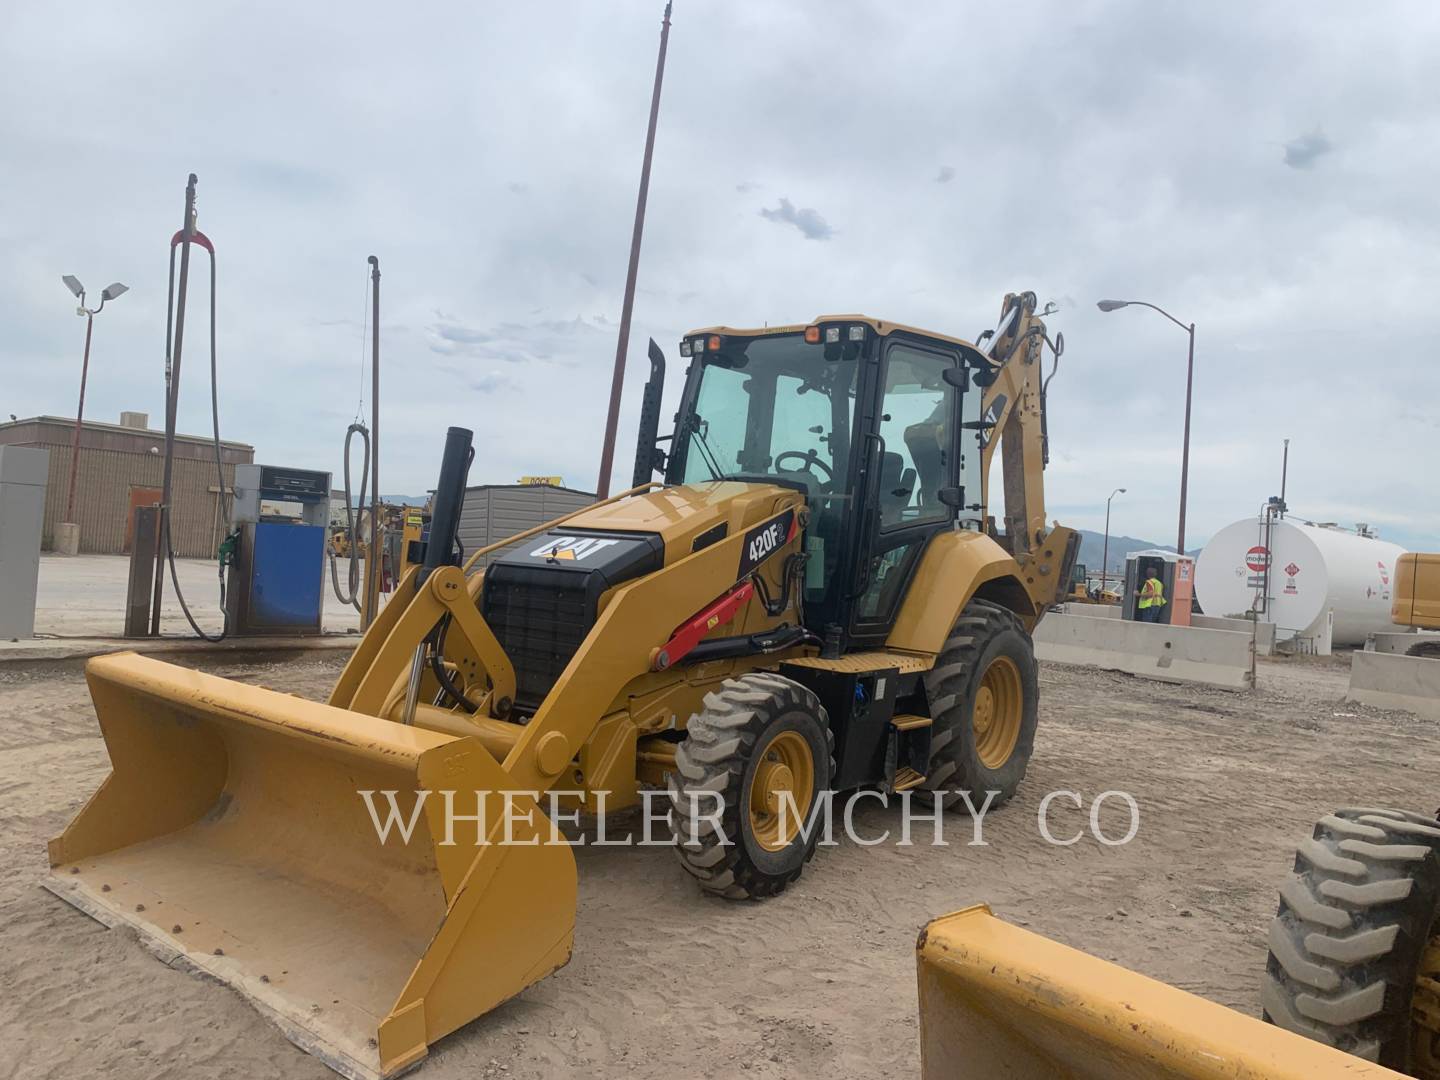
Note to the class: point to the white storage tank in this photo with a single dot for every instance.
(1312, 569)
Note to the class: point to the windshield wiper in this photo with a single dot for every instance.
(706, 454)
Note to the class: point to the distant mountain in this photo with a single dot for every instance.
(405, 500)
(1092, 544)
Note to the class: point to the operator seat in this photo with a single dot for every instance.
(926, 450)
(897, 484)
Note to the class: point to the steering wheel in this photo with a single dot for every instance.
(810, 459)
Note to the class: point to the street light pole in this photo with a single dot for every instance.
(68, 542)
(1105, 556)
(1116, 305)
(79, 418)
(1185, 452)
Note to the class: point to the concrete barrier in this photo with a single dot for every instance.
(1092, 611)
(1180, 654)
(1397, 642)
(1264, 631)
(1388, 681)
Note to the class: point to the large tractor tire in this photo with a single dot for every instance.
(1354, 962)
(984, 702)
(758, 736)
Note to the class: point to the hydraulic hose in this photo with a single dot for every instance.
(352, 577)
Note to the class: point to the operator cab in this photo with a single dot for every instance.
(879, 426)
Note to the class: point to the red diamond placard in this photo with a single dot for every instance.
(1292, 569)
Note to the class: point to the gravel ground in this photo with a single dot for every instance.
(819, 982)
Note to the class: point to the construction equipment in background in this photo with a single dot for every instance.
(811, 601)
(1416, 599)
(1000, 1001)
(1085, 589)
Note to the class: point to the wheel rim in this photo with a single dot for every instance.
(999, 707)
(785, 765)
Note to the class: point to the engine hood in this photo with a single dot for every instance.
(689, 516)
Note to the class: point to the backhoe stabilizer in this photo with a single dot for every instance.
(233, 832)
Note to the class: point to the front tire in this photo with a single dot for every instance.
(1351, 962)
(984, 704)
(758, 736)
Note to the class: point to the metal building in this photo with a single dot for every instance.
(120, 468)
(494, 511)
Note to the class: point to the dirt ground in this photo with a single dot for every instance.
(820, 982)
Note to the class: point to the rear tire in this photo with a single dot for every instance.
(1347, 964)
(757, 734)
(988, 661)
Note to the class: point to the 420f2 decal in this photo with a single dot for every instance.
(764, 540)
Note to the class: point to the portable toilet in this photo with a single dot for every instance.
(1177, 575)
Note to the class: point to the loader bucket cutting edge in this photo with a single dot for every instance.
(231, 832)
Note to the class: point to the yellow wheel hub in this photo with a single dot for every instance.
(785, 766)
(999, 709)
(1425, 1012)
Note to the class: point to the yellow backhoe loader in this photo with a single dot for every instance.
(813, 600)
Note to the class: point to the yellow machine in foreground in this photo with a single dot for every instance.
(999, 1001)
(814, 600)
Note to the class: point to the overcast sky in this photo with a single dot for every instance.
(1266, 170)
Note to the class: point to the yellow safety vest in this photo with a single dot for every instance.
(1152, 594)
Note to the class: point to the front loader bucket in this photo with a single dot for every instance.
(999, 1001)
(232, 832)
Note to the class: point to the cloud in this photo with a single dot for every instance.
(945, 175)
(492, 381)
(1304, 151)
(808, 221)
(747, 186)
(455, 333)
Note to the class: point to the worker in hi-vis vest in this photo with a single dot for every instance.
(1152, 597)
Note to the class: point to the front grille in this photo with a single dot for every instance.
(540, 627)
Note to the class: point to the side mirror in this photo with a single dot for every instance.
(957, 377)
(953, 497)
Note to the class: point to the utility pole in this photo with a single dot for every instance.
(617, 381)
(1284, 473)
(370, 607)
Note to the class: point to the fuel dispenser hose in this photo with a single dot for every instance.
(227, 547)
(352, 576)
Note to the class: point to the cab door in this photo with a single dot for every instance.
(910, 455)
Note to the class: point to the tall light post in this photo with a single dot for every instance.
(67, 540)
(1116, 305)
(627, 306)
(1105, 556)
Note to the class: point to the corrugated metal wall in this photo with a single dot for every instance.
(492, 513)
(102, 499)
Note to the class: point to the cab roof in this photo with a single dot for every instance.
(880, 326)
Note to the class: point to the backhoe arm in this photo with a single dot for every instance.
(1013, 412)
